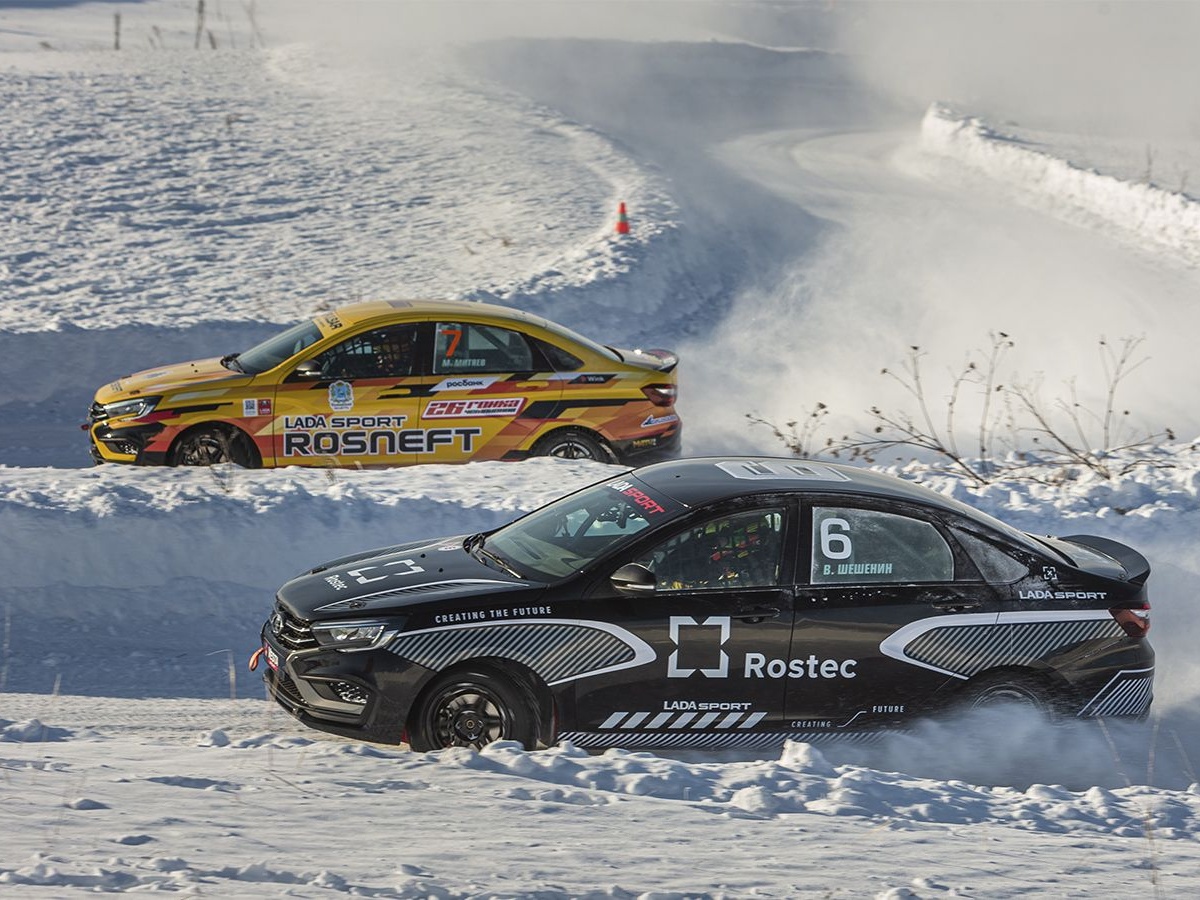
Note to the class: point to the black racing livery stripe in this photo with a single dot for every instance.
(553, 409)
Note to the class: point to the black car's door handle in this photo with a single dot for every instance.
(757, 615)
(957, 605)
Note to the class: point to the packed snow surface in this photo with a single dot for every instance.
(794, 230)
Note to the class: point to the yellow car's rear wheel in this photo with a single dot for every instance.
(574, 443)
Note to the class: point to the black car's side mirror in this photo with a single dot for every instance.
(633, 579)
(308, 370)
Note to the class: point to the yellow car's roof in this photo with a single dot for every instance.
(356, 313)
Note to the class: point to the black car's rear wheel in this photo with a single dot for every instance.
(1007, 691)
(473, 709)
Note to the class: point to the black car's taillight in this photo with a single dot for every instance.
(661, 394)
(1136, 622)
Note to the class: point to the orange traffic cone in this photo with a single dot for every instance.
(622, 220)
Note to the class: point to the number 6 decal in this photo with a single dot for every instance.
(835, 544)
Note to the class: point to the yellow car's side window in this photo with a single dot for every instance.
(382, 353)
(461, 347)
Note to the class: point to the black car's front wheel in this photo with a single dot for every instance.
(473, 709)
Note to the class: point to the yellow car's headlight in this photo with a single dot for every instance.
(139, 406)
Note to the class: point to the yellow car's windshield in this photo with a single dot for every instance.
(273, 351)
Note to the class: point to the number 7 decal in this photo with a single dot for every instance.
(455, 337)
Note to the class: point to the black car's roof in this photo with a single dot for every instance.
(705, 480)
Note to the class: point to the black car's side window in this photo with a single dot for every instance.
(382, 353)
(857, 546)
(739, 550)
(994, 564)
(460, 347)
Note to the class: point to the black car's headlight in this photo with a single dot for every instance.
(139, 406)
(353, 636)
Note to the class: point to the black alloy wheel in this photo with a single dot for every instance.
(474, 709)
(209, 447)
(572, 444)
(1006, 691)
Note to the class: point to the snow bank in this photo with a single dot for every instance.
(1143, 212)
(171, 188)
(94, 528)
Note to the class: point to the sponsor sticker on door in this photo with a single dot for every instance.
(472, 408)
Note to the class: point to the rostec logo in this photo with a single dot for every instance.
(713, 627)
(473, 408)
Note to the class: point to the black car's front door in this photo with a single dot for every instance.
(717, 615)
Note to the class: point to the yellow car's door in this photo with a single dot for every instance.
(354, 404)
(491, 387)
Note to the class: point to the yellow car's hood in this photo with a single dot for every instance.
(166, 378)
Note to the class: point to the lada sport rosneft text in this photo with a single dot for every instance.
(727, 602)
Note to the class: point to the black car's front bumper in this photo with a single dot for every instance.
(365, 695)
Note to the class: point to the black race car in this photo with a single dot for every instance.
(712, 603)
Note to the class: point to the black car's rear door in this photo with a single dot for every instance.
(720, 600)
(890, 609)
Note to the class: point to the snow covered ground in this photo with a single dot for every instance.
(796, 227)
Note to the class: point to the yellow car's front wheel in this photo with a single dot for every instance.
(207, 445)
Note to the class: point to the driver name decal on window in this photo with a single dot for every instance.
(461, 346)
(862, 545)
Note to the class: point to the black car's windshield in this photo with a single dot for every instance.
(564, 537)
(273, 351)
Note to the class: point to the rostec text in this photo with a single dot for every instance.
(758, 666)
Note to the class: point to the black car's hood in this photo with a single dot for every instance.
(393, 578)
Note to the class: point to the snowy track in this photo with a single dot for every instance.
(230, 796)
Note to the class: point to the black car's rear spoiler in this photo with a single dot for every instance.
(1137, 567)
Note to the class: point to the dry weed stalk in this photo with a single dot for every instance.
(1044, 443)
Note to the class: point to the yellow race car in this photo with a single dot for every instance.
(395, 383)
